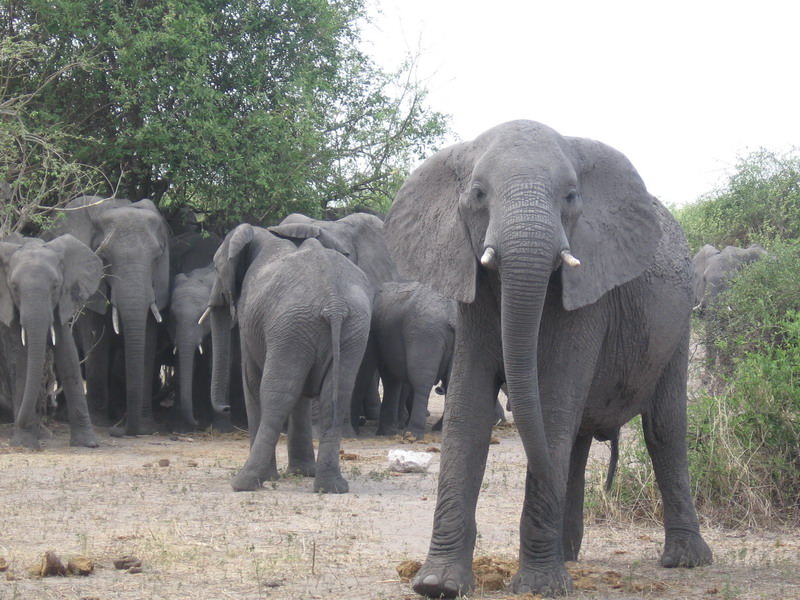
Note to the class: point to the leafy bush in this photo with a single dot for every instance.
(759, 203)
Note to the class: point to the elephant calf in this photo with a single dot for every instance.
(414, 329)
(303, 316)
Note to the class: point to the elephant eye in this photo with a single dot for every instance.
(571, 196)
(478, 193)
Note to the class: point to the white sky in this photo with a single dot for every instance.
(681, 87)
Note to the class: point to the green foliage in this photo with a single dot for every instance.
(750, 316)
(759, 203)
(241, 110)
(37, 173)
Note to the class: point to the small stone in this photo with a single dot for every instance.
(163, 462)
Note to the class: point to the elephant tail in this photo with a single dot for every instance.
(335, 313)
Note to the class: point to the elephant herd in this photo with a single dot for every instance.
(547, 269)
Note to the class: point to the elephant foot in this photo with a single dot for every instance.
(143, 427)
(547, 581)
(685, 550)
(335, 484)
(387, 431)
(222, 424)
(302, 469)
(25, 439)
(448, 580)
(247, 481)
(84, 438)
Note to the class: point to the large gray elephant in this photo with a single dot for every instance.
(574, 288)
(303, 316)
(359, 236)
(132, 239)
(713, 269)
(414, 330)
(42, 287)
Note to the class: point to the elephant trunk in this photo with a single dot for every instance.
(37, 332)
(221, 359)
(526, 262)
(186, 353)
(134, 312)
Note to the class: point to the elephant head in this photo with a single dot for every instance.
(190, 293)
(42, 286)
(132, 239)
(714, 268)
(506, 213)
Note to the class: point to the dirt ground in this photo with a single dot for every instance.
(166, 501)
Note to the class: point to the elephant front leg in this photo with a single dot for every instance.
(68, 370)
(468, 420)
(541, 561)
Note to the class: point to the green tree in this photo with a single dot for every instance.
(759, 203)
(243, 109)
(37, 173)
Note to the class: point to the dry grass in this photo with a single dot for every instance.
(196, 539)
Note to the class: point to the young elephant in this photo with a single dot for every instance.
(42, 286)
(414, 329)
(303, 316)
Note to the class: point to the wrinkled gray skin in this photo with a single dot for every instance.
(714, 268)
(303, 316)
(358, 236)
(582, 349)
(191, 255)
(132, 239)
(192, 346)
(42, 286)
(414, 330)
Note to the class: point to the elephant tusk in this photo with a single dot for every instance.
(53, 335)
(174, 351)
(115, 318)
(200, 349)
(156, 314)
(569, 260)
(204, 316)
(23, 336)
(489, 257)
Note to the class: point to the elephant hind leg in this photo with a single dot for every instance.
(300, 440)
(664, 424)
(277, 397)
(573, 509)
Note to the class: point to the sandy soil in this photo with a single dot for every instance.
(166, 501)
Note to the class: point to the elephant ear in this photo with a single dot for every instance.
(297, 232)
(161, 265)
(424, 231)
(230, 265)
(618, 232)
(6, 300)
(83, 271)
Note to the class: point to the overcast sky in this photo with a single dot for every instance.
(681, 87)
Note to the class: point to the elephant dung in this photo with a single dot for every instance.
(128, 563)
(80, 565)
(408, 568)
(50, 565)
